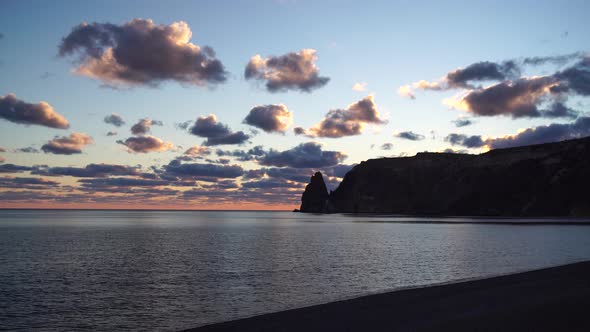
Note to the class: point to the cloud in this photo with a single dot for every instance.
(304, 155)
(518, 98)
(67, 145)
(553, 59)
(292, 71)
(216, 132)
(242, 155)
(12, 168)
(463, 77)
(141, 52)
(576, 79)
(2, 159)
(406, 91)
(271, 184)
(537, 135)
(89, 171)
(449, 150)
(196, 150)
(301, 175)
(28, 149)
(270, 118)
(387, 146)
(183, 125)
(114, 119)
(2, 149)
(482, 71)
(196, 170)
(462, 123)
(411, 136)
(543, 134)
(474, 141)
(145, 144)
(144, 125)
(362, 86)
(112, 133)
(98, 183)
(536, 96)
(346, 122)
(27, 183)
(41, 114)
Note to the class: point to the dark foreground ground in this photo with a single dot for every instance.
(553, 299)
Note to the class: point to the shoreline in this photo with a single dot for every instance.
(552, 298)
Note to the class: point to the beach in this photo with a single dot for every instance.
(551, 299)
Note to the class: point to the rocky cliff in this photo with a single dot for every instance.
(540, 180)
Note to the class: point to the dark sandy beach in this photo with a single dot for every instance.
(552, 299)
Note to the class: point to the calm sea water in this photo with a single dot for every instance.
(150, 270)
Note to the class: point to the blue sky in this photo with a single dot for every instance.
(385, 44)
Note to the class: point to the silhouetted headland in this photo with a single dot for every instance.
(553, 299)
(532, 181)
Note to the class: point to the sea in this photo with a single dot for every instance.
(71, 270)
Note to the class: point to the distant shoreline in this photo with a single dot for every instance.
(550, 299)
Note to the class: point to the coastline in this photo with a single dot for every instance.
(553, 298)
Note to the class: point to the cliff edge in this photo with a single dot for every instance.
(539, 180)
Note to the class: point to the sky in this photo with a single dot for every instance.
(235, 104)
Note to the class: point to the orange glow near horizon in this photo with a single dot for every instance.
(185, 207)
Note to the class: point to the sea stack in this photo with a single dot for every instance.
(315, 197)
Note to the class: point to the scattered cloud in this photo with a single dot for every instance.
(543, 134)
(474, 141)
(518, 98)
(114, 119)
(89, 171)
(144, 125)
(511, 94)
(100, 183)
(41, 114)
(406, 91)
(12, 168)
(462, 122)
(362, 86)
(387, 146)
(141, 52)
(346, 122)
(29, 183)
(464, 77)
(292, 71)
(197, 170)
(67, 145)
(408, 135)
(112, 133)
(270, 118)
(183, 125)
(537, 135)
(552, 59)
(145, 144)
(242, 155)
(271, 184)
(216, 133)
(28, 149)
(305, 155)
(196, 151)
(482, 71)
